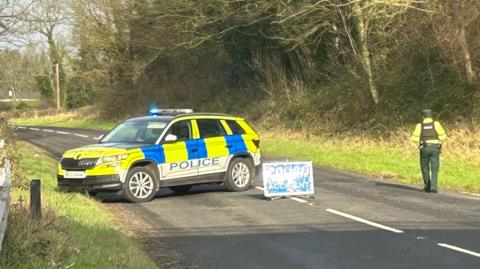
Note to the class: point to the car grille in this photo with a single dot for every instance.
(80, 164)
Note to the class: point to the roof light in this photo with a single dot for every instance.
(158, 111)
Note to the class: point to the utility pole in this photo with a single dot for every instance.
(11, 93)
(57, 86)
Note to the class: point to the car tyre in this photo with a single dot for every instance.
(181, 189)
(240, 175)
(140, 185)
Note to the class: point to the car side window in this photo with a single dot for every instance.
(182, 130)
(235, 127)
(210, 128)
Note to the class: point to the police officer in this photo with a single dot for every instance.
(429, 135)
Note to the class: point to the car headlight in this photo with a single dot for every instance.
(112, 159)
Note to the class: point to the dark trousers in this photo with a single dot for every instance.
(430, 163)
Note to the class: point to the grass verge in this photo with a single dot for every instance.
(75, 231)
(72, 119)
(386, 160)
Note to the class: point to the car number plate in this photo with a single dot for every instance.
(75, 174)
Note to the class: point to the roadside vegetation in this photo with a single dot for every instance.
(348, 64)
(72, 119)
(394, 159)
(74, 232)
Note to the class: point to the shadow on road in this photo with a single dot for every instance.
(398, 186)
(163, 193)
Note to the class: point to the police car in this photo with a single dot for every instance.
(170, 148)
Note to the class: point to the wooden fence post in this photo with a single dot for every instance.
(36, 199)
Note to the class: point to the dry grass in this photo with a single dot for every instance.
(463, 140)
(29, 243)
(52, 115)
(87, 117)
(393, 157)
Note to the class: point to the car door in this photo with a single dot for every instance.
(180, 154)
(213, 150)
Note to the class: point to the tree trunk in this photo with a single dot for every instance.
(471, 76)
(365, 51)
(57, 74)
(57, 86)
(14, 100)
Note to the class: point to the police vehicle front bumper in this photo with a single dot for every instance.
(110, 183)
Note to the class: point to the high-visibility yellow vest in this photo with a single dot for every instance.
(417, 133)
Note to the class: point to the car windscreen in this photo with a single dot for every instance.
(144, 132)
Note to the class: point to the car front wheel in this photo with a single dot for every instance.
(140, 185)
(239, 175)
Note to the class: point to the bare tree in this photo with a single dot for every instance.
(47, 17)
(379, 12)
(18, 71)
(452, 22)
(298, 22)
(11, 14)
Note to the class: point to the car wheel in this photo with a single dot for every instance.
(140, 185)
(239, 175)
(180, 189)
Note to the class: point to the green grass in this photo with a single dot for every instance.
(382, 162)
(76, 231)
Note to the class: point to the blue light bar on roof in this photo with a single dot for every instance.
(158, 111)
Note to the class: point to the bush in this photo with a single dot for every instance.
(22, 105)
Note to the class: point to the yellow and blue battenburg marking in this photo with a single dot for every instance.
(195, 149)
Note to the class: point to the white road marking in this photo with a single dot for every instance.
(466, 251)
(291, 198)
(333, 211)
(297, 199)
(58, 132)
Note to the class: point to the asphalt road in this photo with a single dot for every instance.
(353, 222)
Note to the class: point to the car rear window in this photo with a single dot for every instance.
(210, 128)
(235, 127)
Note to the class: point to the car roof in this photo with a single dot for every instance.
(186, 115)
(153, 118)
(207, 115)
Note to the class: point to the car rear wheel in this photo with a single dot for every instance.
(140, 185)
(181, 189)
(239, 175)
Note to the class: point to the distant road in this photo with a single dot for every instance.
(353, 222)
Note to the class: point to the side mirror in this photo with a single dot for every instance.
(171, 138)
